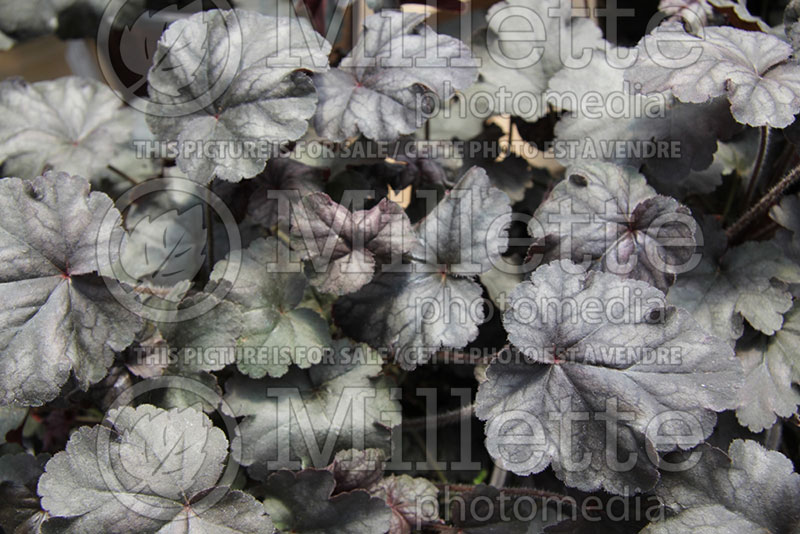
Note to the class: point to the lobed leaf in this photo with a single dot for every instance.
(59, 316)
(267, 293)
(751, 69)
(75, 125)
(233, 79)
(555, 41)
(770, 374)
(301, 502)
(609, 361)
(668, 138)
(747, 281)
(607, 218)
(345, 247)
(149, 471)
(304, 414)
(416, 309)
(388, 84)
(748, 490)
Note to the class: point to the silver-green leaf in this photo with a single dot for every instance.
(606, 360)
(748, 490)
(308, 414)
(148, 471)
(607, 218)
(747, 281)
(233, 85)
(751, 68)
(59, 315)
(302, 503)
(71, 124)
(387, 85)
(276, 331)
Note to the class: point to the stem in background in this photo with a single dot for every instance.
(510, 132)
(359, 16)
(499, 477)
(759, 164)
(731, 198)
(209, 231)
(772, 439)
(592, 7)
(122, 174)
(281, 236)
(761, 207)
(522, 492)
(437, 527)
(446, 419)
(430, 457)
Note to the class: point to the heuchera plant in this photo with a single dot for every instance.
(526, 266)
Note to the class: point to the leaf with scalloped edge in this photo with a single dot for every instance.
(790, 21)
(605, 357)
(694, 14)
(787, 214)
(413, 501)
(203, 343)
(267, 291)
(340, 403)
(409, 308)
(771, 370)
(747, 281)
(736, 14)
(301, 502)
(357, 469)
(344, 247)
(75, 125)
(248, 75)
(385, 87)
(20, 21)
(748, 490)
(59, 316)
(520, 69)
(149, 470)
(752, 69)
(607, 218)
(667, 138)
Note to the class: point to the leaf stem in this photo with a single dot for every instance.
(209, 231)
(122, 174)
(281, 236)
(522, 492)
(438, 527)
(761, 207)
(499, 477)
(735, 186)
(773, 435)
(755, 177)
(446, 419)
(430, 458)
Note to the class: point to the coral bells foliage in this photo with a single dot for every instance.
(280, 269)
